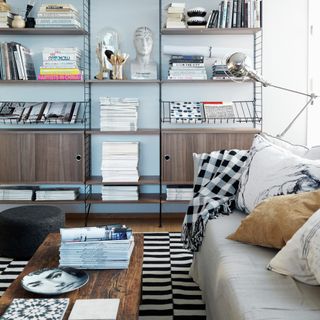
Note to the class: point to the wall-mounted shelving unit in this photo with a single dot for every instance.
(174, 144)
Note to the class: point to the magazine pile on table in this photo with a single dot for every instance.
(105, 247)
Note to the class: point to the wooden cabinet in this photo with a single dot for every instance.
(42, 157)
(178, 146)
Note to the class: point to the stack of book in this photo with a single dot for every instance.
(5, 19)
(16, 193)
(107, 247)
(120, 161)
(120, 193)
(179, 192)
(176, 15)
(219, 72)
(57, 194)
(183, 67)
(58, 16)
(118, 114)
(16, 62)
(60, 64)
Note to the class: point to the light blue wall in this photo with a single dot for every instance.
(125, 16)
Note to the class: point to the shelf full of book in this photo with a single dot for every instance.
(201, 124)
(44, 140)
(243, 112)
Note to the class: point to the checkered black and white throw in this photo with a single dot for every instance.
(214, 192)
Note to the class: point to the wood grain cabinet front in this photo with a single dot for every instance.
(178, 146)
(42, 157)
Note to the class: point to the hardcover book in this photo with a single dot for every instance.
(36, 309)
(95, 309)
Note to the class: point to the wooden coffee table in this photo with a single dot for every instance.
(122, 284)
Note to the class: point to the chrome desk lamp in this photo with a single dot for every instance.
(239, 66)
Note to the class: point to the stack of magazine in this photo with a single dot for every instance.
(58, 16)
(120, 193)
(39, 112)
(23, 193)
(179, 192)
(44, 194)
(118, 114)
(120, 161)
(106, 247)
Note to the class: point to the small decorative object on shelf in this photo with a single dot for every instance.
(197, 12)
(143, 67)
(30, 6)
(18, 22)
(107, 44)
(117, 61)
(196, 18)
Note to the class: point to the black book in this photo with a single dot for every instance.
(239, 6)
(12, 61)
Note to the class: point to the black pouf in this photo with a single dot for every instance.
(23, 229)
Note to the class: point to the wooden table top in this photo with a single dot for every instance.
(123, 284)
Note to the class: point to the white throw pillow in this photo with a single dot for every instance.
(300, 257)
(299, 150)
(313, 153)
(272, 170)
(294, 148)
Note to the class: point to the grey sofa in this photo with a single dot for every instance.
(236, 284)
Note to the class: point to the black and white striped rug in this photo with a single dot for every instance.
(168, 292)
(9, 270)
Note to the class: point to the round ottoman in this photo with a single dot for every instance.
(23, 229)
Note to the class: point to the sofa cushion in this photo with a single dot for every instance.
(275, 220)
(300, 258)
(272, 170)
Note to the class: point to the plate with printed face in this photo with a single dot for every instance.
(54, 281)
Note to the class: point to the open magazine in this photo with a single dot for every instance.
(103, 233)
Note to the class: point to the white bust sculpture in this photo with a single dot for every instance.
(143, 67)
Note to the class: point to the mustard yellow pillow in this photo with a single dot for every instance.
(275, 220)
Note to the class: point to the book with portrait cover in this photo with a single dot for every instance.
(36, 309)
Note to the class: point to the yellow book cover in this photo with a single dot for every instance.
(45, 71)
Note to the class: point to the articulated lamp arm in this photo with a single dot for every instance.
(239, 66)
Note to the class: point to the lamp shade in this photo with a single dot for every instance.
(238, 64)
